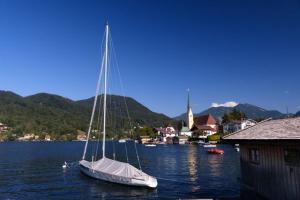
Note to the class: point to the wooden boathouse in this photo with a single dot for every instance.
(270, 159)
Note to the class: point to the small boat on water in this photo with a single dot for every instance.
(208, 145)
(150, 145)
(215, 151)
(201, 142)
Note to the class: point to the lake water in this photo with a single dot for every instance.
(33, 170)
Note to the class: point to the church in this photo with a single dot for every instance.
(202, 126)
(186, 130)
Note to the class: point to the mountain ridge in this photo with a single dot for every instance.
(44, 112)
(251, 111)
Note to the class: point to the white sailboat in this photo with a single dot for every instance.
(107, 169)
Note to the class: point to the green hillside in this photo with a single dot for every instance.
(52, 114)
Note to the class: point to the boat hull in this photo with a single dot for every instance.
(209, 145)
(215, 151)
(151, 182)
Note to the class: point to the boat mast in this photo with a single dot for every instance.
(94, 108)
(105, 91)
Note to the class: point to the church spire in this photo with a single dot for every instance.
(189, 113)
(188, 100)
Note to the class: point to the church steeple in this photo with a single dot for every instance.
(189, 113)
(188, 100)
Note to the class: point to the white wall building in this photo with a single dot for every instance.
(185, 131)
(234, 126)
(166, 132)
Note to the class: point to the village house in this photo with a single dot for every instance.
(182, 139)
(204, 126)
(166, 132)
(270, 159)
(81, 137)
(144, 139)
(47, 138)
(185, 131)
(26, 137)
(3, 128)
(234, 126)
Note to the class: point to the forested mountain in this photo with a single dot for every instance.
(48, 113)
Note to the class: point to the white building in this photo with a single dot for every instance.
(185, 131)
(234, 126)
(3, 128)
(26, 137)
(183, 139)
(167, 132)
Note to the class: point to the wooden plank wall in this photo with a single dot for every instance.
(272, 178)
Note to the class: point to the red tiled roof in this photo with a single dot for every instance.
(205, 120)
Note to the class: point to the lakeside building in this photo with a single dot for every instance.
(27, 137)
(144, 139)
(81, 137)
(200, 127)
(166, 132)
(204, 126)
(182, 139)
(185, 131)
(234, 126)
(3, 128)
(47, 138)
(270, 159)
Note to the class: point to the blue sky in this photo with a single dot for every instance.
(242, 51)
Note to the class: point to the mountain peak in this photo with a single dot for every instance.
(251, 111)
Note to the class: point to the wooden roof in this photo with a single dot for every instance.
(280, 129)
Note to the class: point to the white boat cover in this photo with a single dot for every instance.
(117, 172)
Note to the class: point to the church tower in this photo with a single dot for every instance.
(189, 113)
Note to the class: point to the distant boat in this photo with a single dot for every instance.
(201, 142)
(208, 145)
(215, 151)
(107, 169)
(150, 145)
(182, 142)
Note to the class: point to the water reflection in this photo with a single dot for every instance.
(214, 163)
(107, 190)
(192, 162)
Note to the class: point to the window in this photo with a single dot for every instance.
(254, 156)
(292, 157)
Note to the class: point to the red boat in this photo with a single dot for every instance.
(215, 151)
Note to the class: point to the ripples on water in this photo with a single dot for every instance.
(32, 170)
